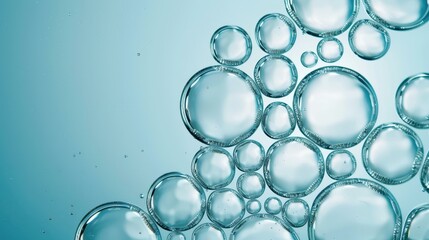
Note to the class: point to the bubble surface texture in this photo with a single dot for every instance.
(330, 49)
(225, 207)
(340, 164)
(322, 18)
(392, 153)
(251, 185)
(213, 167)
(275, 75)
(309, 59)
(231, 45)
(208, 231)
(117, 220)
(263, 226)
(424, 177)
(416, 226)
(275, 33)
(176, 201)
(398, 14)
(355, 209)
(273, 205)
(335, 107)
(296, 211)
(249, 155)
(278, 120)
(412, 100)
(286, 160)
(253, 206)
(369, 40)
(221, 106)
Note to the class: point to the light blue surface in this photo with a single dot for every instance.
(75, 98)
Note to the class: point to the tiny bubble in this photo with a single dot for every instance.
(141, 195)
(138, 54)
(125, 156)
(80, 153)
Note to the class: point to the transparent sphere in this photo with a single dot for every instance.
(369, 40)
(249, 155)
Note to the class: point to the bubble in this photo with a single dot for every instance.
(275, 75)
(275, 33)
(213, 167)
(309, 59)
(424, 177)
(330, 49)
(117, 220)
(176, 201)
(253, 206)
(176, 236)
(231, 45)
(295, 211)
(340, 164)
(397, 14)
(355, 209)
(416, 226)
(335, 107)
(249, 155)
(294, 167)
(323, 18)
(273, 205)
(411, 100)
(263, 226)
(221, 106)
(278, 120)
(208, 231)
(369, 40)
(225, 207)
(251, 185)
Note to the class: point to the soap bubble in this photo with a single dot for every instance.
(330, 49)
(225, 207)
(309, 59)
(249, 155)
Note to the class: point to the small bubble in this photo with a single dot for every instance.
(275, 33)
(340, 164)
(309, 59)
(330, 49)
(208, 231)
(273, 205)
(225, 207)
(296, 211)
(138, 54)
(278, 120)
(142, 195)
(253, 206)
(251, 185)
(125, 156)
(249, 155)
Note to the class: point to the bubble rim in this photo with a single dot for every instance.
(379, 28)
(248, 208)
(292, 120)
(418, 159)
(313, 136)
(331, 156)
(267, 202)
(306, 215)
(227, 62)
(363, 182)
(147, 219)
(238, 163)
(305, 54)
(291, 11)
(198, 178)
(330, 39)
(391, 26)
(320, 160)
(399, 100)
(235, 221)
(249, 174)
(184, 103)
(208, 225)
(410, 218)
(424, 174)
(197, 187)
(282, 18)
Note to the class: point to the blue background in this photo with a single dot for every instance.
(85, 120)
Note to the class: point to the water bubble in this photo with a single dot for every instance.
(141, 195)
(295, 211)
(392, 153)
(276, 75)
(117, 220)
(398, 15)
(309, 59)
(176, 201)
(251, 185)
(411, 100)
(278, 120)
(273, 205)
(231, 45)
(335, 107)
(330, 49)
(369, 40)
(275, 33)
(355, 209)
(323, 18)
(225, 207)
(249, 155)
(416, 226)
(213, 167)
(263, 226)
(287, 160)
(340, 164)
(253, 206)
(424, 177)
(176, 236)
(221, 106)
(208, 231)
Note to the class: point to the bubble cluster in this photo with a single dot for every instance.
(251, 185)
(208, 231)
(249, 156)
(296, 211)
(278, 120)
(369, 40)
(225, 207)
(330, 49)
(416, 224)
(340, 164)
(309, 59)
